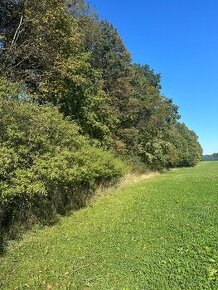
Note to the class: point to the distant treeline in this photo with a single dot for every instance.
(212, 157)
(72, 105)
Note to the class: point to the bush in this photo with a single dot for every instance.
(46, 166)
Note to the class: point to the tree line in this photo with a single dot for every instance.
(67, 77)
(63, 54)
(210, 157)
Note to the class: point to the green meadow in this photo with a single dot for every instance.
(158, 233)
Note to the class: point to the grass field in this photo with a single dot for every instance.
(159, 233)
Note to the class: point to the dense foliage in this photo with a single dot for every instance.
(46, 166)
(63, 54)
(57, 57)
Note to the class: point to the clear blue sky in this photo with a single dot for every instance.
(179, 39)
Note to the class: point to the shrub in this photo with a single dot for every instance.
(46, 166)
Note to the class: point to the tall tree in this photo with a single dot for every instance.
(43, 46)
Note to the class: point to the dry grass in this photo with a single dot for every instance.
(124, 182)
(133, 177)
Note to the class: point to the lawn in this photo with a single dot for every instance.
(159, 233)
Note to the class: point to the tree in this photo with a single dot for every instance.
(43, 47)
(59, 52)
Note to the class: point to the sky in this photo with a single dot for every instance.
(179, 40)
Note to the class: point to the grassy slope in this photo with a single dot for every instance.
(157, 234)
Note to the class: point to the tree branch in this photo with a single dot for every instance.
(17, 32)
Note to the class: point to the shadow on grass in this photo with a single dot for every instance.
(22, 214)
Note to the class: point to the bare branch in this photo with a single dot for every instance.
(17, 32)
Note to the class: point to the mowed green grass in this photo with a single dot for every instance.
(160, 233)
